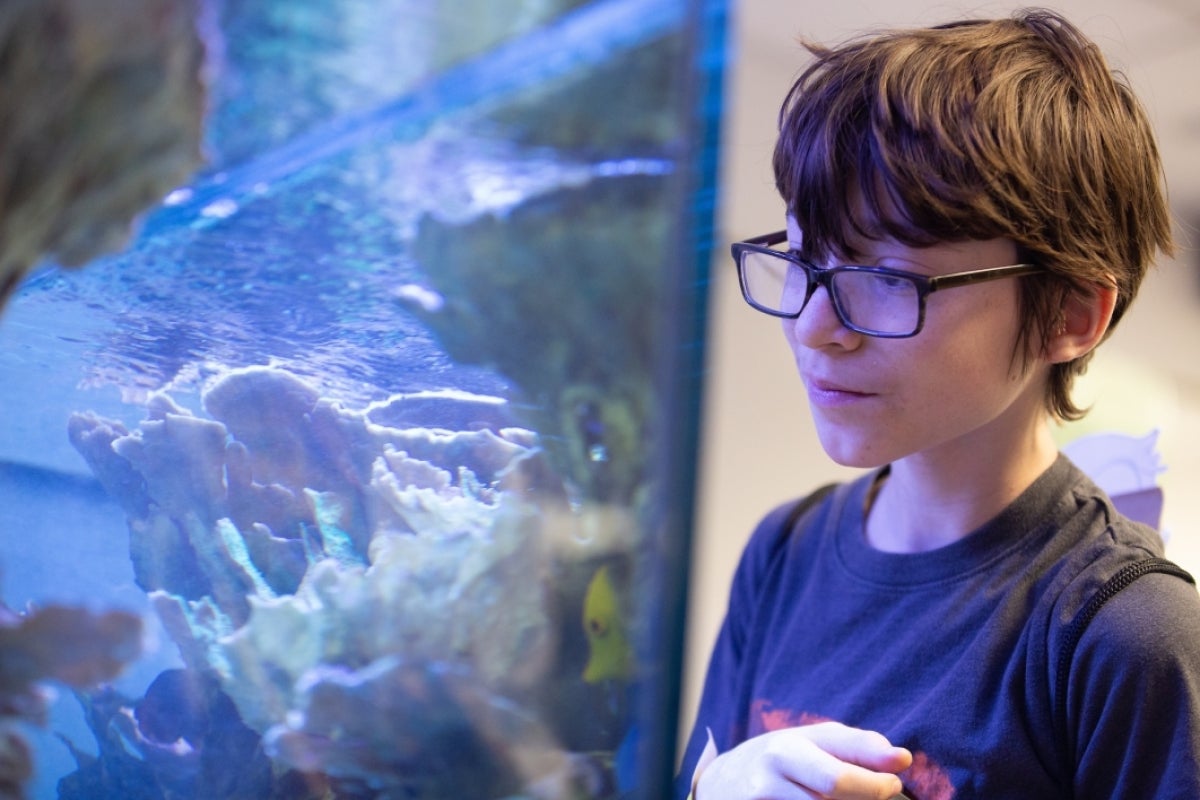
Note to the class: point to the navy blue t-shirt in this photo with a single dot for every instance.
(952, 653)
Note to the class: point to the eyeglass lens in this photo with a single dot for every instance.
(869, 301)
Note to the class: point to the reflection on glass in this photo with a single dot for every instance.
(382, 427)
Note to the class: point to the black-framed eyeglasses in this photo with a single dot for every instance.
(876, 301)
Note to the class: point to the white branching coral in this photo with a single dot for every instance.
(367, 555)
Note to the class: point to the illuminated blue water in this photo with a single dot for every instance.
(296, 255)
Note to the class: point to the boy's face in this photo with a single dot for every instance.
(953, 389)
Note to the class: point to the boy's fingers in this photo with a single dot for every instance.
(865, 748)
(828, 776)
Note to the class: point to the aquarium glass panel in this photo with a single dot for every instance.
(367, 464)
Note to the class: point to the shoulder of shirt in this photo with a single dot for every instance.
(1156, 616)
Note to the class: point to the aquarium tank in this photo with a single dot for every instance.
(364, 469)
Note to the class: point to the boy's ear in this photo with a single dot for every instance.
(1083, 324)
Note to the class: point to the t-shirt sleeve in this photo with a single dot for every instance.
(1134, 695)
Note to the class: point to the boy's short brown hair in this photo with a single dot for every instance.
(1012, 128)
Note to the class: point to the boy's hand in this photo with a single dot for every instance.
(826, 761)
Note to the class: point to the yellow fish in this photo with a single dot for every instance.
(610, 654)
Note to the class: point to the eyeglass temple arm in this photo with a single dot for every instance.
(980, 275)
(768, 239)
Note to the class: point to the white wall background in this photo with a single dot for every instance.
(758, 444)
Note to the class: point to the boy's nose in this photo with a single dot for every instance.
(819, 325)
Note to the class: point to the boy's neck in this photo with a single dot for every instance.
(927, 501)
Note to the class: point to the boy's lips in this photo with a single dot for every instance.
(824, 391)
(833, 385)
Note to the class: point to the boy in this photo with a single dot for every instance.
(971, 209)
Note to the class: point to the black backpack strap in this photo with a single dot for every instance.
(1074, 632)
(802, 506)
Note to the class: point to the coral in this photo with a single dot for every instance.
(16, 764)
(465, 597)
(183, 739)
(72, 646)
(414, 729)
(362, 592)
(74, 173)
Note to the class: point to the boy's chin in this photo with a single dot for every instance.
(854, 454)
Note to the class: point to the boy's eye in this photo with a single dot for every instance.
(894, 283)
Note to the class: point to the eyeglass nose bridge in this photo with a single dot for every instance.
(816, 279)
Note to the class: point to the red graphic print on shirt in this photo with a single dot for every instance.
(924, 780)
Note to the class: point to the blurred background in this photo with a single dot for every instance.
(758, 443)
